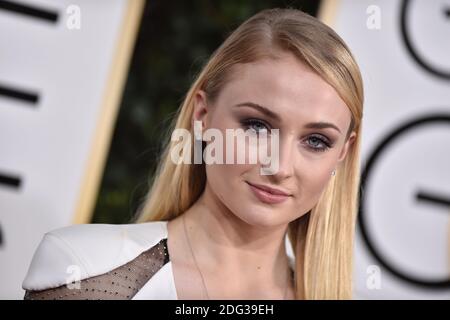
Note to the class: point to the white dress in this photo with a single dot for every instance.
(128, 261)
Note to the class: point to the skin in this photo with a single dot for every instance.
(238, 241)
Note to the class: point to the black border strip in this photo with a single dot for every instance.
(30, 97)
(10, 180)
(30, 11)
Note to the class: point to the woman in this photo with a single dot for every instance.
(218, 231)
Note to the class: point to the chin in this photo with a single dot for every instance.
(259, 216)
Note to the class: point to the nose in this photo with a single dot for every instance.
(286, 162)
(284, 154)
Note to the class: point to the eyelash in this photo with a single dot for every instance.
(248, 123)
(326, 144)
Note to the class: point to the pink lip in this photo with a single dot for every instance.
(268, 195)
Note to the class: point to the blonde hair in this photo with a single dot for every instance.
(322, 239)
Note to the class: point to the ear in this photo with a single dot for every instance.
(200, 112)
(347, 146)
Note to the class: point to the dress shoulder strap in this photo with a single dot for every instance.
(120, 283)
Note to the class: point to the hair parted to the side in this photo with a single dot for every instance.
(322, 239)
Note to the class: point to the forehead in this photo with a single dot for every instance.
(287, 87)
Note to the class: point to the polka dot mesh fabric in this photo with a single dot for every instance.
(119, 284)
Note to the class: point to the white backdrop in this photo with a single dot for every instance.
(46, 141)
(403, 49)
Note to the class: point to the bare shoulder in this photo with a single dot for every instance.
(185, 276)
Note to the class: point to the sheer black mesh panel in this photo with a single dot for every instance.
(121, 283)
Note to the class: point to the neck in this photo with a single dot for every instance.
(234, 246)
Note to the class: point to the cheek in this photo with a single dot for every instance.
(314, 182)
(226, 182)
(225, 177)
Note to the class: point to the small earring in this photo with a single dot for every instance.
(198, 130)
(333, 173)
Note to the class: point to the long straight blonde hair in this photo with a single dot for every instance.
(322, 239)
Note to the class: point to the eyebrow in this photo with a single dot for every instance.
(269, 113)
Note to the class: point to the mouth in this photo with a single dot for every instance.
(267, 194)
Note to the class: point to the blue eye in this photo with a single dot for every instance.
(255, 125)
(319, 144)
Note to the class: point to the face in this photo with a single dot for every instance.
(293, 97)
